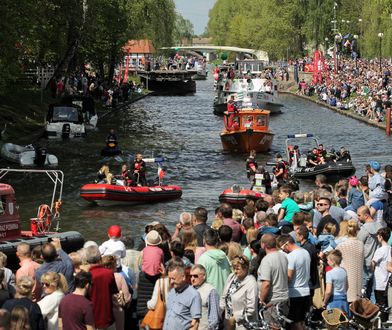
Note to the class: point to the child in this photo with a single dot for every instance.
(336, 283)
(288, 207)
(113, 246)
(152, 254)
(355, 196)
(326, 239)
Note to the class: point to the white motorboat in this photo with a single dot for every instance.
(251, 89)
(27, 155)
(65, 121)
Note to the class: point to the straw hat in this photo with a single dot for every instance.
(153, 238)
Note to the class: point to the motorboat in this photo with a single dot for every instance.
(43, 226)
(238, 197)
(27, 155)
(246, 129)
(65, 121)
(299, 168)
(109, 194)
(250, 88)
(87, 104)
(117, 192)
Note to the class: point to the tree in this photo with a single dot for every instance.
(183, 29)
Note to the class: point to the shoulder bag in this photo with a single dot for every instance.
(154, 318)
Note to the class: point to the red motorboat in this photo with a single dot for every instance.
(42, 228)
(237, 197)
(103, 193)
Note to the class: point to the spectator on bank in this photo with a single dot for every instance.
(200, 217)
(214, 261)
(75, 310)
(24, 288)
(239, 295)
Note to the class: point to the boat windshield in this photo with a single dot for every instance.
(65, 113)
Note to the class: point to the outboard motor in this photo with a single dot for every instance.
(40, 156)
(66, 131)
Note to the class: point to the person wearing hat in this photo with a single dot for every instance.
(376, 181)
(113, 246)
(152, 258)
(355, 196)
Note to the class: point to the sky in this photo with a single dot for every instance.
(196, 11)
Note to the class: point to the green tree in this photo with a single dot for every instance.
(183, 29)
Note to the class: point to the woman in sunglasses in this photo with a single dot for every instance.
(239, 296)
(54, 285)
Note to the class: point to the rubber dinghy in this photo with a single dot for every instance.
(237, 196)
(104, 194)
(27, 155)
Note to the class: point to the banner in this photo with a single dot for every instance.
(315, 66)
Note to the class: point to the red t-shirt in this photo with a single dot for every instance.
(76, 312)
(102, 290)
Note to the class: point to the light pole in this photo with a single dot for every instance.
(337, 40)
(326, 46)
(380, 35)
(360, 35)
(355, 36)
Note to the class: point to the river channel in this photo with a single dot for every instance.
(186, 133)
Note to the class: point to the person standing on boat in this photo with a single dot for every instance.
(281, 170)
(139, 171)
(232, 112)
(251, 166)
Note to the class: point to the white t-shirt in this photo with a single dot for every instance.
(299, 261)
(113, 247)
(49, 306)
(381, 275)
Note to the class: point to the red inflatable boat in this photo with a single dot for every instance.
(237, 197)
(113, 194)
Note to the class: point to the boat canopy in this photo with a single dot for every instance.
(65, 113)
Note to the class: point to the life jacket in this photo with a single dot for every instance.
(286, 168)
(251, 166)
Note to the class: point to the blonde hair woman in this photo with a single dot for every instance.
(352, 253)
(342, 235)
(24, 289)
(54, 286)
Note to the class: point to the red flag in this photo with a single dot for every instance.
(126, 70)
(161, 173)
(315, 66)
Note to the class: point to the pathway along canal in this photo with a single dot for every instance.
(186, 133)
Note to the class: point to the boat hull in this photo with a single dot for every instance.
(105, 194)
(170, 87)
(70, 241)
(25, 156)
(239, 199)
(342, 169)
(246, 140)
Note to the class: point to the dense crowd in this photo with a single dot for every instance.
(357, 85)
(83, 84)
(280, 255)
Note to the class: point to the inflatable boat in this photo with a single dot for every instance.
(237, 196)
(107, 194)
(339, 168)
(27, 155)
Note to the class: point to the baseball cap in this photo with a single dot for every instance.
(353, 181)
(375, 165)
(114, 231)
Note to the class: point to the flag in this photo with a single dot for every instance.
(161, 173)
(125, 80)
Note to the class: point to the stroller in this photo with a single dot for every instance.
(365, 314)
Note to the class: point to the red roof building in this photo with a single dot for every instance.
(137, 51)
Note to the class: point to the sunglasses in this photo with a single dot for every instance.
(194, 275)
(241, 259)
(322, 204)
(46, 284)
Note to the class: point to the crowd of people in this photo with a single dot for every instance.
(84, 84)
(354, 84)
(279, 255)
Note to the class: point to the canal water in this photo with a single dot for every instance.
(186, 133)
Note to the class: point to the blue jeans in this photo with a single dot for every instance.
(367, 283)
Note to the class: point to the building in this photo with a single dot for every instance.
(137, 51)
